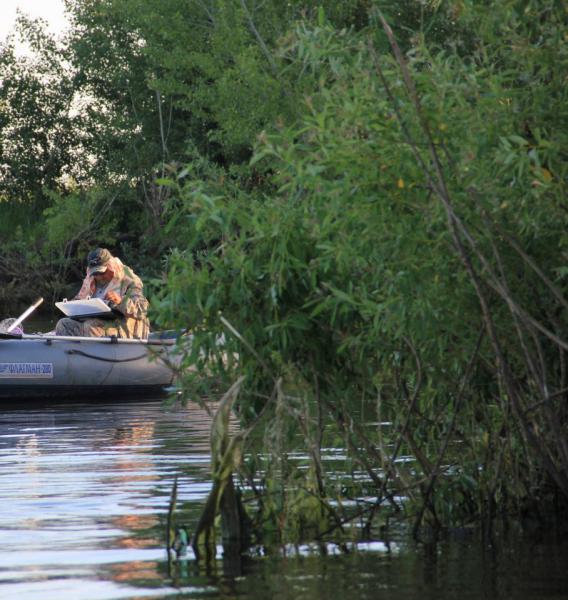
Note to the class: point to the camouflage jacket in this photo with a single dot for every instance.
(133, 306)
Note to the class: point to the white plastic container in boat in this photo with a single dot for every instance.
(88, 308)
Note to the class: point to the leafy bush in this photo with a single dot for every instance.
(348, 281)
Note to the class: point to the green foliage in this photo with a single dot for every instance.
(36, 126)
(76, 218)
(348, 273)
(226, 457)
(340, 260)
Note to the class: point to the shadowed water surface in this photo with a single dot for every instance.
(84, 492)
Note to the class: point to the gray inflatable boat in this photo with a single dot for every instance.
(43, 365)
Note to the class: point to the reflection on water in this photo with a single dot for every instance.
(84, 491)
(85, 486)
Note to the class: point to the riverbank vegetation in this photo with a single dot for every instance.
(367, 200)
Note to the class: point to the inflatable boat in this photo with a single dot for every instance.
(44, 365)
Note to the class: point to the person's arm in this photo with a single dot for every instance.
(133, 304)
(86, 289)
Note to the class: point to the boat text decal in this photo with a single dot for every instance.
(26, 370)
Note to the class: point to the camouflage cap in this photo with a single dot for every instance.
(97, 261)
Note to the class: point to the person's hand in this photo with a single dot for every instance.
(113, 297)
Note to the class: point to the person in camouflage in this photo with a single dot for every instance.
(109, 279)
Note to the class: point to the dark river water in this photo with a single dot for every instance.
(84, 493)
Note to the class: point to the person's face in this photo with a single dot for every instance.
(103, 277)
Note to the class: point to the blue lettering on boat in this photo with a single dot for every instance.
(26, 370)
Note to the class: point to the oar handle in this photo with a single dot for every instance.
(25, 314)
